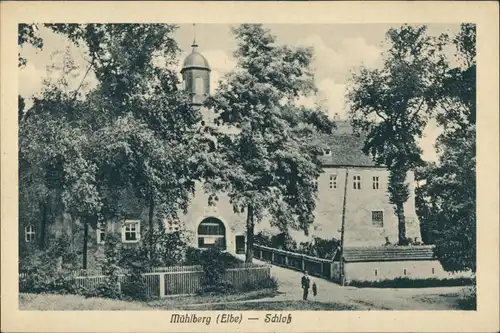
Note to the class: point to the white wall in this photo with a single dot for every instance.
(365, 271)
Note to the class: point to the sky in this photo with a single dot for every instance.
(338, 48)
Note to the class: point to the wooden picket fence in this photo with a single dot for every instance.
(176, 280)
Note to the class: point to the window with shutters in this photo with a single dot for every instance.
(375, 182)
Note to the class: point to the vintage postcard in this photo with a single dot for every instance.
(249, 167)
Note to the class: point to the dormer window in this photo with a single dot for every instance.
(327, 152)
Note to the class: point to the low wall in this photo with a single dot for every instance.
(416, 269)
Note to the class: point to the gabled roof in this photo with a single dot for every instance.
(389, 253)
(345, 148)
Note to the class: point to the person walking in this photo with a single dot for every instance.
(305, 282)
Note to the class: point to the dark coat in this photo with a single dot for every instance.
(305, 282)
(315, 289)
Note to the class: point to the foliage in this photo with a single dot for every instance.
(446, 202)
(48, 270)
(214, 263)
(392, 105)
(283, 241)
(133, 134)
(193, 256)
(412, 283)
(27, 34)
(320, 248)
(268, 283)
(263, 238)
(169, 250)
(269, 165)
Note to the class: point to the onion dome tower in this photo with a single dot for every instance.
(196, 75)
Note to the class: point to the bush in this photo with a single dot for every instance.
(49, 270)
(412, 283)
(220, 287)
(320, 248)
(268, 283)
(193, 256)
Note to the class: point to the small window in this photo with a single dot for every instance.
(404, 271)
(327, 152)
(101, 235)
(29, 233)
(315, 184)
(333, 182)
(356, 182)
(130, 231)
(378, 218)
(375, 183)
(199, 86)
(376, 272)
(432, 270)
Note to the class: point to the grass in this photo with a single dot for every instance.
(277, 306)
(412, 283)
(53, 302)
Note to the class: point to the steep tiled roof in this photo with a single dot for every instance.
(388, 253)
(346, 148)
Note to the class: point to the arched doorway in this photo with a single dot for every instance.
(211, 233)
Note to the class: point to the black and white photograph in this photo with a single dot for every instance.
(232, 167)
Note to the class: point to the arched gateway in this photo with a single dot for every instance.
(212, 233)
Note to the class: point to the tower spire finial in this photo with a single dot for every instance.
(194, 45)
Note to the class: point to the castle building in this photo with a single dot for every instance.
(348, 175)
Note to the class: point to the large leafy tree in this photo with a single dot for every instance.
(267, 167)
(134, 133)
(392, 104)
(447, 200)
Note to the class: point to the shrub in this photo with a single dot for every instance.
(320, 248)
(193, 256)
(267, 283)
(49, 270)
(214, 267)
(220, 287)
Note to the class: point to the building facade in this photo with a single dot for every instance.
(348, 175)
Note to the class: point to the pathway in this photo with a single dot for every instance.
(367, 298)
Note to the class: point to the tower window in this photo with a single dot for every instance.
(29, 233)
(378, 218)
(333, 182)
(356, 182)
(376, 272)
(375, 183)
(404, 271)
(315, 184)
(199, 86)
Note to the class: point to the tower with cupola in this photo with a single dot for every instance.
(196, 75)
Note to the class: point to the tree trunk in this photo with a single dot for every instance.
(151, 226)
(250, 234)
(400, 212)
(85, 241)
(43, 225)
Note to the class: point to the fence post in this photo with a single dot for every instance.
(260, 253)
(286, 260)
(303, 263)
(272, 255)
(162, 285)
